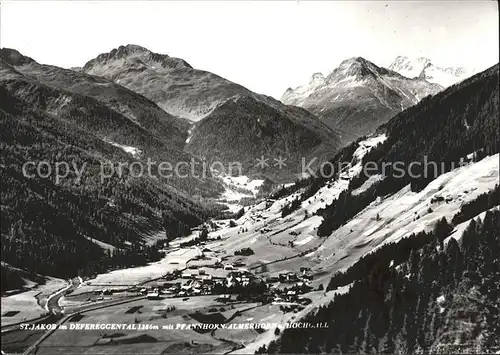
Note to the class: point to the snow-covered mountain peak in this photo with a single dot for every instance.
(131, 48)
(409, 67)
(423, 68)
(407, 63)
(354, 62)
(358, 95)
(316, 79)
(354, 69)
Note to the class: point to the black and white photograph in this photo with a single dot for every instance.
(249, 177)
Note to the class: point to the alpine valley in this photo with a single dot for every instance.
(273, 260)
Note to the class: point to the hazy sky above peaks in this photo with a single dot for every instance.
(266, 46)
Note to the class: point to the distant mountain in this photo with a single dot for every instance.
(141, 112)
(172, 83)
(423, 68)
(358, 96)
(245, 129)
(234, 124)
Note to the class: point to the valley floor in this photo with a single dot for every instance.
(30, 304)
(280, 245)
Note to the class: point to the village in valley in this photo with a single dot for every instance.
(209, 272)
(243, 273)
(261, 267)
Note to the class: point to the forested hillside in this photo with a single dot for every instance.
(15, 278)
(431, 291)
(443, 299)
(136, 108)
(244, 129)
(48, 226)
(458, 124)
(45, 225)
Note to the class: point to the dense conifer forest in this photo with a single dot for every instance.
(442, 298)
(51, 227)
(428, 292)
(48, 227)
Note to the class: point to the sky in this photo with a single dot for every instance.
(266, 46)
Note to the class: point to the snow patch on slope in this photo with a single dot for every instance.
(458, 231)
(424, 68)
(190, 133)
(244, 182)
(134, 151)
(406, 212)
(104, 246)
(373, 179)
(304, 241)
(333, 189)
(238, 188)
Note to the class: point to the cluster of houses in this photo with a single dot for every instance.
(291, 294)
(292, 285)
(196, 282)
(216, 278)
(289, 277)
(201, 279)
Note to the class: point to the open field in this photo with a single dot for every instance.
(126, 278)
(30, 304)
(151, 312)
(19, 341)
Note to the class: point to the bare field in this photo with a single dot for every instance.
(29, 304)
(126, 278)
(151, 312)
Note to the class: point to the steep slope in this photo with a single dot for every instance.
(253, 125)
(445, 129)
(443, 299)
(374, 222)
(114, 114)
(357, 228)
(244, 130)
(171, 82)
(333, 214)
(358, 96)
(423, 68)
(141, 111)
(49, 224)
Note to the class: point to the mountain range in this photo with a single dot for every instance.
(353, 100)
(358, 96)
(60, 115)
(422, 67)
(254, 125)
(138, 111)
(408, 261)
(172, 83)
(55, 116)
(413, 257)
